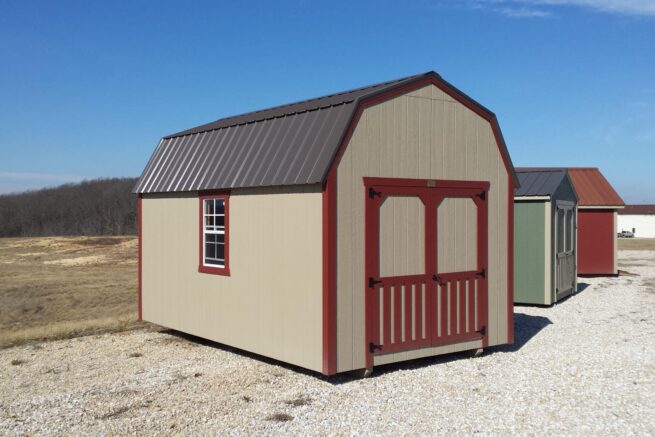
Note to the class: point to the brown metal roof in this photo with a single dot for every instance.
(638, 210)
(293, 144)
(593, 189)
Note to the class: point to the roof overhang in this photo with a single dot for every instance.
(601, 206)
(526, 198)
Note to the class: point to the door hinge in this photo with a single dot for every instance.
(482, 331)
(372, 193)
(482, 194)
(482, 273)
(372, 347)
(372, 281)
(437, 279)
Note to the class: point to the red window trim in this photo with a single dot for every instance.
(224, 271)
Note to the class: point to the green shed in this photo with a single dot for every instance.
(545, 236)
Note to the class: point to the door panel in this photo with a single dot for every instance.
(413, 299)
(456, 235)
(402, 236)
(566, 252)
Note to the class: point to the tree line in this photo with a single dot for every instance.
(96, 207)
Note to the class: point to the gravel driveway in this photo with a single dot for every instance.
(585, 366)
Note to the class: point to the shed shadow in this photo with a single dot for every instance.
(582, 286)
(525, 328)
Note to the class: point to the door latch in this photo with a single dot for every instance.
(372, 347)
(372, 281)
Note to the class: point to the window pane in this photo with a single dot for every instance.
(560, 230)
(220, 238)
(209, 206)
(209, 221)
(569, 229)
(220, 206)
(210, 250)
(220, 251)
(220, 221)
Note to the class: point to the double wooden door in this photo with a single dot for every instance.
(426, 263)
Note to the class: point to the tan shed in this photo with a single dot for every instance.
(339, 233)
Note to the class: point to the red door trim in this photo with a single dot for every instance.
(426, 183)
(376, 190)
(140, 286)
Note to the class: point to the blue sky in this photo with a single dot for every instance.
(88, 88)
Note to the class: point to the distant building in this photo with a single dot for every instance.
(597, 210)
(638, 219)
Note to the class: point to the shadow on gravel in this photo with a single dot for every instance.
(582, 286)
(525, 328)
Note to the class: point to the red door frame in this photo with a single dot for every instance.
(431, 193)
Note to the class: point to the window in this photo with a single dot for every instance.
(214, 234)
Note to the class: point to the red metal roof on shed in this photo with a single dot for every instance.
(638, 210)
(593, 189)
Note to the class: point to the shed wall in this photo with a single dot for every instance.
(272, 302)
(532, 244)
(422, 134)
(597, 242)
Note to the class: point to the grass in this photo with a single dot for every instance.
(636, 243)
(62, 287)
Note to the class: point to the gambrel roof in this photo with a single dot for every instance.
(293, 144)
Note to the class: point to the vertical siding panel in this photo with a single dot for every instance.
(425, 126)
(453, 151)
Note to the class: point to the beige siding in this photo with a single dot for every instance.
(423, 134)
(272, 302)
(457, 236)
(402, 242)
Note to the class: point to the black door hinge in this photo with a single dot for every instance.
(482, 273)
(372, 281)
(437, 279)
(372, 347)
(482, 195)
(372, 193)
(482, 331)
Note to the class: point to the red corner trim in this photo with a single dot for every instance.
(510, 261)
(329, 275)
(140, 286)
(224, 271)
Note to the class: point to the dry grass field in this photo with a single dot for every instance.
(58, 287)
(636, 243)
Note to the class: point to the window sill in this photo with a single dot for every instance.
(222, 271)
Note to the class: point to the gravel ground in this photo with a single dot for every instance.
(585, 366)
